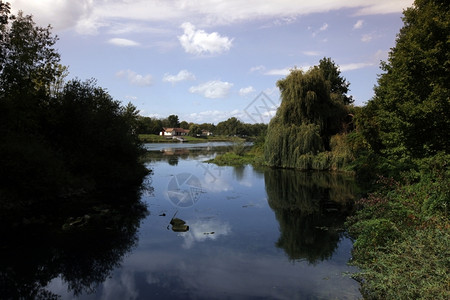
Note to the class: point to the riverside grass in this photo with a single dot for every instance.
(403, 235)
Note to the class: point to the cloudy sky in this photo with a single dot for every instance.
(208, 60)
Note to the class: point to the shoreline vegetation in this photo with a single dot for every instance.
(154, 138)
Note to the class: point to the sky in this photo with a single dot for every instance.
(209, 60)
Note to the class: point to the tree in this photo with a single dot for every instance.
(195, 130)
(5, 9)
(208, 126)
(232, 126)
(96, 137)
(173, 121)
(409, 116)
(339, 87)
(56, 141)
(29, 65)
(131, 117)
(313, 108)
(184, 125)
(29, 60)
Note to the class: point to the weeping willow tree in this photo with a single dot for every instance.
(313, 108)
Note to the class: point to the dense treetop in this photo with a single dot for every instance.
(313, 108)
(410, 113)
(57, 139)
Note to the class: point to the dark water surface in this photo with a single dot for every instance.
(252, 234)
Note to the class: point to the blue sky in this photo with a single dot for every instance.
(206, 61)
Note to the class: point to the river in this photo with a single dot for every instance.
(238, 233)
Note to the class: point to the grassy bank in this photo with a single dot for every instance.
(240, 155)
(403, 235)
(232, 159)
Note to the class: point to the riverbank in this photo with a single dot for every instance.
(402, 233)
(240, 154)
(153, 138)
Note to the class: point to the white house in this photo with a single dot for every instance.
(173, 132)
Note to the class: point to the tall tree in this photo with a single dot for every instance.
(409, 115)
(29, 61)
(173, 121)
(339, 86)
(313, 108)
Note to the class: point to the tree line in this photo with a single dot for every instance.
(230, 127)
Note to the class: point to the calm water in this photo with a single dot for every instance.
(253, 234)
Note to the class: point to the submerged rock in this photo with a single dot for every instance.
(179, 225)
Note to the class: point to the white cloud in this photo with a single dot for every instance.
(375, 7)
(134, 78)
(322, 28)
(366, 38)
(136, 27)
(311, 53)
(202, 230)
(200, 42)
(212, 89)
(257, 68)
(131, 98)
(281, 72)
(60, 14)
(123, 42)
(181, 76)
(209, 116)
(354, 66)
(247, 90)
(285, 71)
(272, 92)
(284, 21)
(380, 55)
(89, 15)
(359, 24)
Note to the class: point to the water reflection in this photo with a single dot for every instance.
(311, 209)
(81, 252)
(202, 230)
(172, 153)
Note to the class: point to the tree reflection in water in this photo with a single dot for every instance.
(311, 210)
(81, 246)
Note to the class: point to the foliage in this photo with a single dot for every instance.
(238, 146)
(403, 234)
(57, 142)
(409, 117)
(231, 159)
(232, 126)
(184, 125)
(403, 226)
(28, 59)
(313, 110)
(96, 136)
(173, 121)
(339, 87)
(195, 130)
(413, 268)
